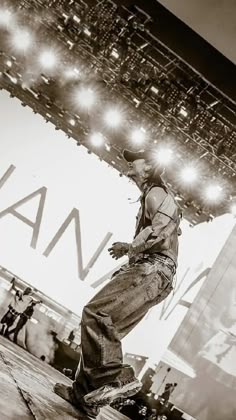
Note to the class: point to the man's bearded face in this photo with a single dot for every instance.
(138, 171)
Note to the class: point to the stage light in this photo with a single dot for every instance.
(72, 122)
(70, 44)
(97, 139)
(85, 97)
(213, 192)
(113, 117)
(72, 73)
(21, 40)
(114, 54)
(154, 90)
(138, 135)
(183, 111)
(12, 78)
(144, 45)
(137, 103)
(189, 174)
(178, 198)
(76, 19)
(87, 32)
(48, 59)
(107, 147)
(164, 155)
(6, 17)
(213, 104)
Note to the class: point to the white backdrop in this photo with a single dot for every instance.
(44, 157)
(74, 179)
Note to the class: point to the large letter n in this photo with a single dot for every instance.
(74, 216)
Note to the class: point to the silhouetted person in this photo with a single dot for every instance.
(71, 336)
(18, 302)
(13, 287)
(169, 388)
(9, 317)
(24, 317)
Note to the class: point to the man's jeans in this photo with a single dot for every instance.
(112, 314)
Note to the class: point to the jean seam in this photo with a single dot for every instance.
(102, 347)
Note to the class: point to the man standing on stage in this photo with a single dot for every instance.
(17, 304)
(23, 319)
(143, 282)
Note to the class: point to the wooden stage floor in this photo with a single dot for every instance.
(26, 388)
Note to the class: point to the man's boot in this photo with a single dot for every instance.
(110, 393)
(67, 393)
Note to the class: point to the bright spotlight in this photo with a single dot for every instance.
(183, 111)
(72, 73)
(87, 32)
(6, 17)
(213, 192)
(114, 53)
(85, 97)
(189, 174)
(113, 117)
(97, 139)
(138, 135)
(72, 122)
(154, 90)
(48, 59)
(164, 155)
(21, 40)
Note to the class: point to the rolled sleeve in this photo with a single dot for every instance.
(150, 235)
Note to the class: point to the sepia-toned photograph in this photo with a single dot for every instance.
(117, 210)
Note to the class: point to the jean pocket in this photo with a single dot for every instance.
(159, 288)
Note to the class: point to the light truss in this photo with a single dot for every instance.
(118, 54)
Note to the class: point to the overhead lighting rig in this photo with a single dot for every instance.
(110, 52)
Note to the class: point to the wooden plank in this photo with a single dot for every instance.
(28, 382)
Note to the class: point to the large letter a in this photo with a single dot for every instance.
(34, 225)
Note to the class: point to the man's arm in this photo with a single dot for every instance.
(150, 235)
(36, 302)
(14, 299)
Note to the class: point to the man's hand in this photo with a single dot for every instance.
(38, 302)
(118, 250)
